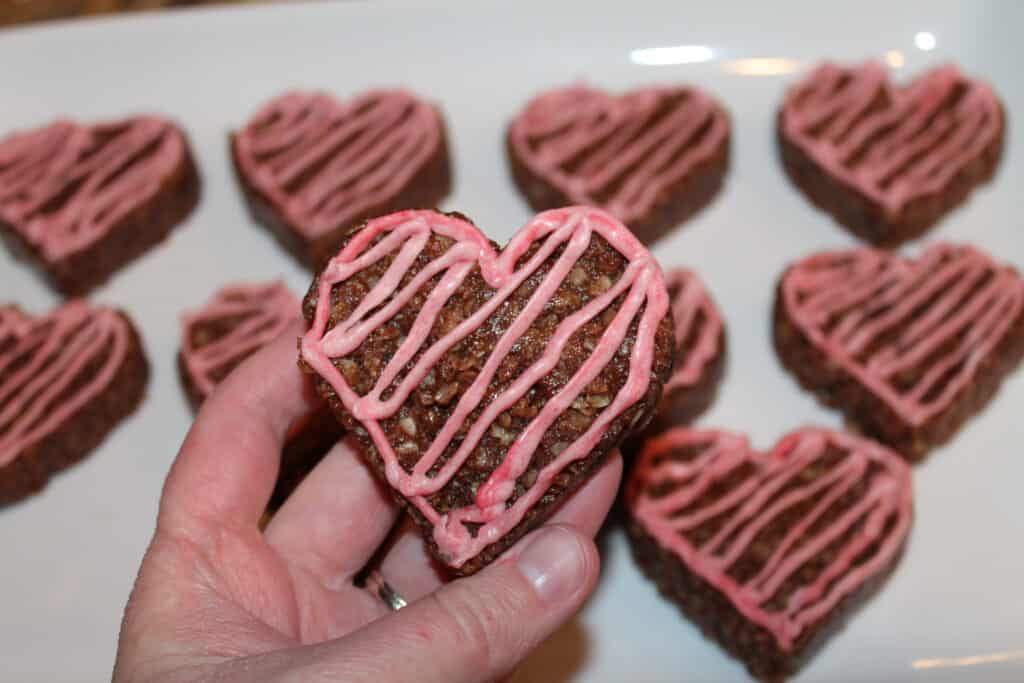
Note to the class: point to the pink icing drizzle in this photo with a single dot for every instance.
(33, 399)
(13, 323)
(616, 143)
(262, 311)
(405, 234)
(870, 302)
(690, 300)
(756, 502)
(911, 148)
(94, 175)
(360, 153)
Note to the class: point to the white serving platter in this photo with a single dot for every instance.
(954, 610)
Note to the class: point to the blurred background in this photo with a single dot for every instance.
(13, 12)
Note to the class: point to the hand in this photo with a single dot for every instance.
(217, 599)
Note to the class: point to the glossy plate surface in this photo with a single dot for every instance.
(953, 611)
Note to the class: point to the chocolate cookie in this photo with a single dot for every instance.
(652, 157)
(312, 167)
(82, 201)
(237, 322)
(767, 553)
(485, 385)
(66, 380)
(888, 162)
(907, 349)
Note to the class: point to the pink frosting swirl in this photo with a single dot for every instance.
(914, 332)
(404, 235)
(621, 153)
(65, 186)
(41, 358)
(693, 312)
(252, 315)
(324, 163)
(861, 488)
(893, 145)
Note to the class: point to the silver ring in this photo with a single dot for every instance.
(376, 584)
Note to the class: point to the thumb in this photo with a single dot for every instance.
(479, 628)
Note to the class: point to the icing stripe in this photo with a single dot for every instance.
(869, 486)
(912, 332)
(404, 235)
(13, 324)
(50, 354)
(619, 153)
(324, 163)
(254, 315)
(65, 186)
(692, 306)
(893, 145)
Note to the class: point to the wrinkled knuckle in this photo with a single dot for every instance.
(473, 627)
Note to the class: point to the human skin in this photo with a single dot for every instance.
(217, 599)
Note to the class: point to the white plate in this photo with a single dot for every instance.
(70, 554)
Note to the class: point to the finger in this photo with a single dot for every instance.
(408, 566)
(225, 470)
(335, 520)
(474, 629)
(414, 572)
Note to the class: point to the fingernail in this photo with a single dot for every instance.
(553, 561)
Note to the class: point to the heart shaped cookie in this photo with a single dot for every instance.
(238, 321)
(235, 323)
(765, 552)
(66, 379)
(651, 157)
(887, 162)
(82, 201)
(484, 385)
(312, 167)
(907, 349)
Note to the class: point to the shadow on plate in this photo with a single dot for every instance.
(559, 658)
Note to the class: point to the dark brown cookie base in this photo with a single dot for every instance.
(677, 204)
(83, 431)
(867, 219)
(720, 621)
(306, 445)
(426, 189)
(869, 414)
(139, 231)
